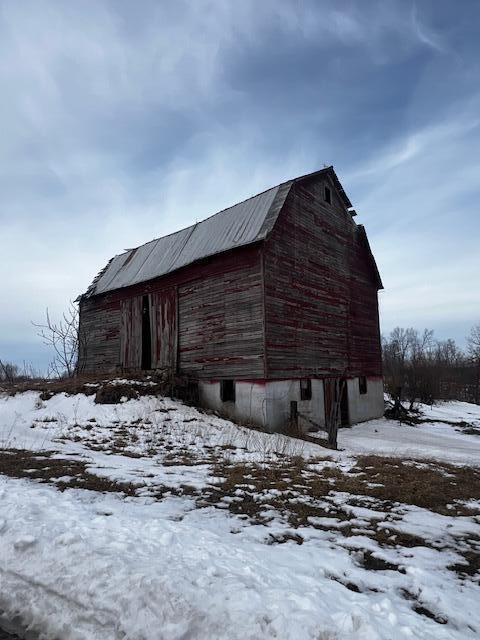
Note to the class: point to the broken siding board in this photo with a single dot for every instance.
(131, 333)
(163, 323)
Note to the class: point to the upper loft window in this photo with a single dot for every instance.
(227, 390)
(362, 385)
(305, 389)
(328, 195)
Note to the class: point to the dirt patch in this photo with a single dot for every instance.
(284, 537)
(64, 473)
(419, 608)
(115, 393)
(471, 561)
(299, 492)
(375, 563)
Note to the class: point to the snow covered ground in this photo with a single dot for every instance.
(434, 439)
(150, 520)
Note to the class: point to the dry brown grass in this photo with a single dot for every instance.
(302, 495)
(65, 473)
(432, 485)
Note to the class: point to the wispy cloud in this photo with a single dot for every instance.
(121, 123)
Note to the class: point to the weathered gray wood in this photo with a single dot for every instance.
(164, 329)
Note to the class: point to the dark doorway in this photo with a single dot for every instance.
(146, 334)
(344, 421)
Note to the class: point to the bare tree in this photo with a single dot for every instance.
(63, 338)
(419, 373)
(473, 344)
(419, 368)
(407, 362)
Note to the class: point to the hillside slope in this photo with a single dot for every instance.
(148, 519)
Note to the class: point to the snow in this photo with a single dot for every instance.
(431, 440)
(86, 566)
(80, 564)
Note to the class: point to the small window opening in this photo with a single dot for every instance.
(362, 385)
(227, 390)
(328, 195)
(305, 389)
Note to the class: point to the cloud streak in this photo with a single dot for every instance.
(120, 124)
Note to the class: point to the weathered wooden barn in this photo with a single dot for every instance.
(265, 303)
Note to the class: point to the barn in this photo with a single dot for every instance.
(268, 305)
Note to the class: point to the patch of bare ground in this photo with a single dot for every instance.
(421, 609)
(470, 564)
(64, 473)
(439, 487)
(432, 485)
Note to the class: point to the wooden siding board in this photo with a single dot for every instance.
(99, 337)
(321, 309)
(131, 332)
(164, 329)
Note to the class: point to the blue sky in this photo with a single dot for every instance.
(123, 121)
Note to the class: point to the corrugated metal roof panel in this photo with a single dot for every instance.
(233, 227)
(242, 224)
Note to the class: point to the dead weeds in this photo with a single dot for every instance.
(432, 485)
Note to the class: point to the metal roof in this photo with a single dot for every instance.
(240, 225)
(236, 226)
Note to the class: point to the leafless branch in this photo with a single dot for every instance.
(63, 338)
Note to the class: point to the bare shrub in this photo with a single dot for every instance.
(9, 372)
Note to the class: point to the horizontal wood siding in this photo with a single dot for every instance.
(218, 332)
(320, 296)
(221, 321)
(99, 336)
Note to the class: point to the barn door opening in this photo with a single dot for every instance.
(146, 334)
(336, 401)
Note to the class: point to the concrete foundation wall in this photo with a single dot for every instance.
(267, 405)
(311, 413)
(249, 405)
(366, 406)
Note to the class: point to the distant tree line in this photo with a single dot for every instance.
(417, 367)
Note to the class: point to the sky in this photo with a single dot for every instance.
(124, 121)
